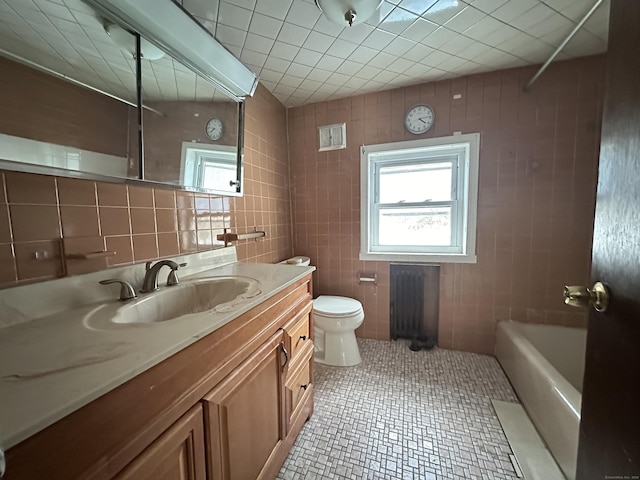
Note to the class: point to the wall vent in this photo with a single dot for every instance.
(332, 137)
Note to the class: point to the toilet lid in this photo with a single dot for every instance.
(336, 306)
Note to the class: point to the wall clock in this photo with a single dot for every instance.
(419, 119)
(214, 129)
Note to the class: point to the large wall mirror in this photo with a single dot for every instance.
(69, 94)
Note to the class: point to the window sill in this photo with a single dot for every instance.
(419, 257)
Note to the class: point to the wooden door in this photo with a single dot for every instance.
(610, 427)
(178, 454)
(244, 416)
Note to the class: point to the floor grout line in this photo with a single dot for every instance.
(405, 415)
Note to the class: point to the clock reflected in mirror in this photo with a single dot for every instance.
(419, 119)
(214, 129)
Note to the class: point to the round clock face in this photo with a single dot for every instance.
(214, 129)
(419, 119)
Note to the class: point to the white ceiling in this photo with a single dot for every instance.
(300, 56)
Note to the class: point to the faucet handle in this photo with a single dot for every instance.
(147, 266)
(127, 291)
(173, 279)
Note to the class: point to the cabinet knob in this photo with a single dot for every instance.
(304, 387)
(303, 337)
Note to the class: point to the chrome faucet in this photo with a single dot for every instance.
(150, 282)
(127, 292)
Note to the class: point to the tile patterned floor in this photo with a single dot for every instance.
(405, 415)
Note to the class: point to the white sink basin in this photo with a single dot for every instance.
(218, 294)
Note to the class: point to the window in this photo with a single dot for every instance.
(419, 200)
(213, 167)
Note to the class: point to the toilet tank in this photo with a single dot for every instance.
(299, 260)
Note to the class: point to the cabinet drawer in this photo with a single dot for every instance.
(299, 385)
(298, 333)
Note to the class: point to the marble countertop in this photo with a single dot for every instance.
(53, 365)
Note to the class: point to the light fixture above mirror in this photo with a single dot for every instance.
(168, 26)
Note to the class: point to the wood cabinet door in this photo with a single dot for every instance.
(244, 416)
(178, 454)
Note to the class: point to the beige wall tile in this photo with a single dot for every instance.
(29, 188)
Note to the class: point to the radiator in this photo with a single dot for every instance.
(414, 301)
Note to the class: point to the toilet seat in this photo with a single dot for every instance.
(336, 307)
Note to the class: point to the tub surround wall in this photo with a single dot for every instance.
(538, 170)
(142, 223)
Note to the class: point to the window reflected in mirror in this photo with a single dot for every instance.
(191, 133)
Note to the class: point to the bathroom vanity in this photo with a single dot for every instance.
(227, 402)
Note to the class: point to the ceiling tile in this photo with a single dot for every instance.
(512, 9)
(328, 62)
(270, 75)
(488, 6)
(337, 78)
(438, 38)
(319, 75)
(293, 34)
(399, 65)
(205, 8)
(419, 29)
(398, 20)
(356, 34)
(363, 54)
(253, 58)
(418, 52)
(444, 10)
(349, 68)
(303, 14)
(378, 39)
(273, 8)
(284, 51)
(318, 42)
(417, 6)
(307, 57)
(368, 71)
(382, 60)
(465, 19)
(258, 43)
(291, 80)
(298, 70)
(326, 26)
(341, 48)
(266, 26)
(277, 64)
(234, 16)
(399, 46)
(231, 36)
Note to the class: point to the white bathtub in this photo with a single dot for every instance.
(545, 365)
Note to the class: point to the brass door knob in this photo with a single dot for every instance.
(583, 297)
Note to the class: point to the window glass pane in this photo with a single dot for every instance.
(415, 182)
(415, 226)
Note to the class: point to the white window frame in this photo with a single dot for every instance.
(196, 157)
(466, 149)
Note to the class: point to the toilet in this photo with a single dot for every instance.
(335, 320)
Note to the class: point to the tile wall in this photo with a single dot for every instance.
(141, 223)
(538, 171)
